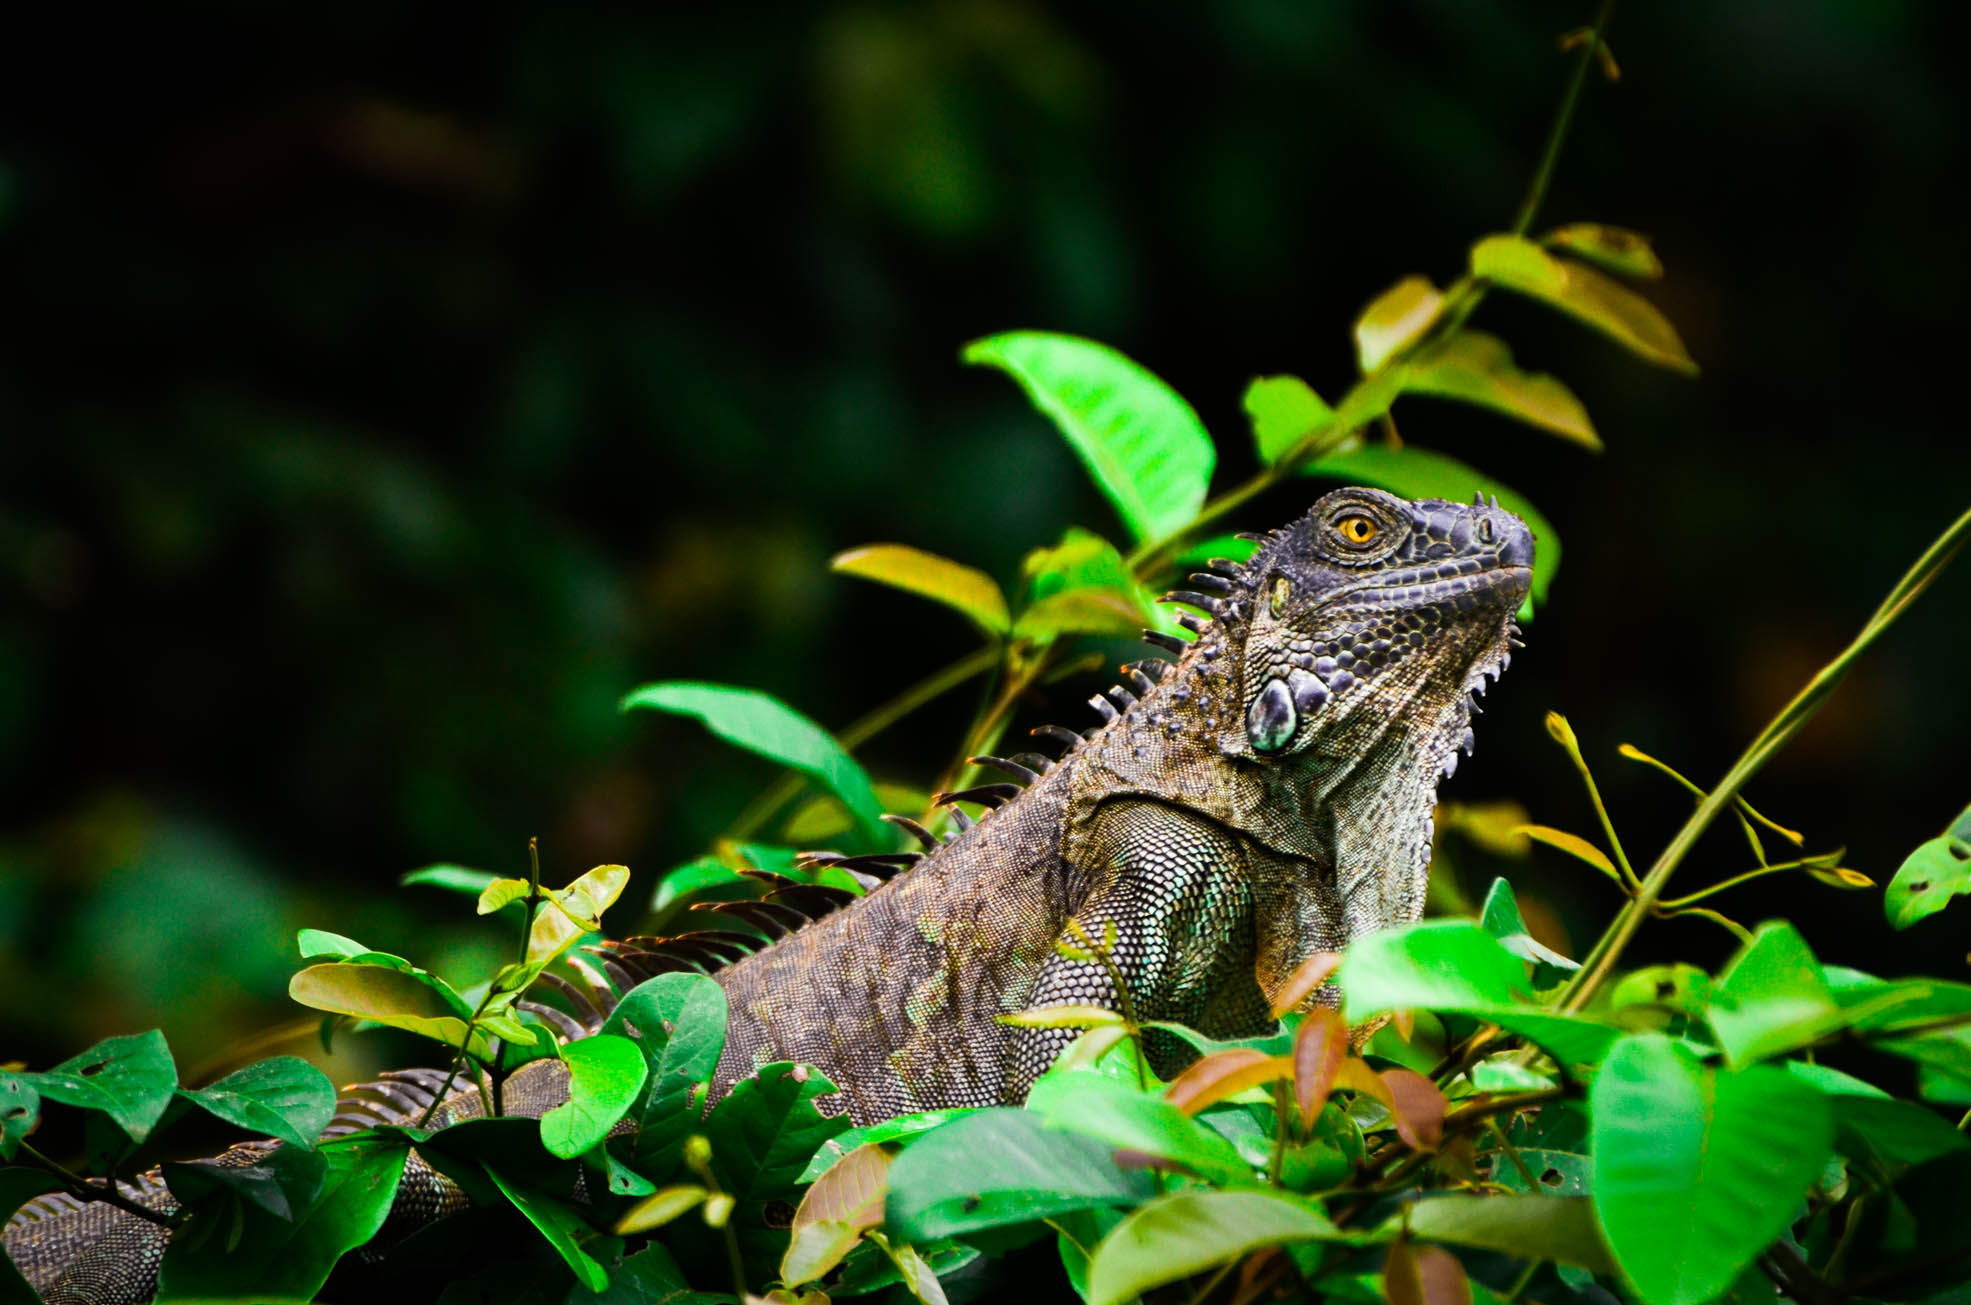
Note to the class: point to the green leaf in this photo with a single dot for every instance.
(760, 722)
(1771, 998)
(320, 942)
(1284, 410)
(679, 1021)
(940, 579)
(20, 1111)
(131, 1079)
(1001, 1166)
(1516, 263)
(692, 877)
(455, 878)
(1415, 472)
(1931, 876)
(1697, 1170)
(281, 1189)
(1186, 1232)
(284, 1097)
(499, 893)
(1142, 444)
(605, 1074)
(1113, 612)
(561, 1225)
(765, 1129)
(1614, 249)
(572, 912)
(1500, 917)
(1395, 319)
(1098, 1106)
(1472, 367)
(409, 999)
(1557, 1228)
(1082, 586)
(890, 1130)
(1871, 1125)
(279, 1258)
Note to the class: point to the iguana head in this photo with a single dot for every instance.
(1369, 609)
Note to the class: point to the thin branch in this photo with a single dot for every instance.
(105, 1190)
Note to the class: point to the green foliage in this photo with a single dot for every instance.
(1667, 1135)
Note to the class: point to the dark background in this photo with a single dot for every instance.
(386, 389)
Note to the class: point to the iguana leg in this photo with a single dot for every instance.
(1176, 892)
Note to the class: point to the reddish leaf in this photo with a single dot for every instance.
(1223, 1074)
(1318, 1050)
(1418, 1108)
(1425, 1275)
(1313, 972)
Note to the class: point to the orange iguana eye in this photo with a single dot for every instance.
(1357, 529)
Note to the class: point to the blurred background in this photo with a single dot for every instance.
(386, 390)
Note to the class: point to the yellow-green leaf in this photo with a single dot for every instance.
(1063, 1017)
(401, 999)
(1085, 611)
(574, 911)
(1394, 319)
(659, 1208)
(1616, 249)
(1473, 367)
(501, 892)
(1516, 263)
(1284, 410)
(1574, 845)
(940, 579)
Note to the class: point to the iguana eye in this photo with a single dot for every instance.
(1280, 592)
(1357, 529)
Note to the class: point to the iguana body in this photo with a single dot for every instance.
(1265, 798)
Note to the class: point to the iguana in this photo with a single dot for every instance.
(1264, 797)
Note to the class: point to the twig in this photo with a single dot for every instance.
(83, 1189)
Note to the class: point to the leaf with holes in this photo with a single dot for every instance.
(1141, 442)
(1284, 410)
(284, 1097)
(939, 579)
(762, 723)
(1415, 472)
(1516, 263)
(20, 1111)
(605, 1075)
(1476, 368)
(1931, 876)
(131, 1079)
(679, 1021)
(764, 1130)
(1697, 1170)
(1557, 1228)
(1186, 1232)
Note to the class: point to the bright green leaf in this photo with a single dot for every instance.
(1476, 368)
(1697, 1170)
(997, 1167)
(1098, 1106)
(131, 1079)
(605, 1074)
(760, 722)
(660, 1207)
(1415, 472)
(501, 893)
(1614, 249)
(940, 579)
(1141, 442)
(1518, 264)
(1186, 1232)
(1931, 876)
(765, 1129)
(1771, 998)
(900, 1127)
(320, 942)
(679, 1020)
(284, 1097)
(692, 876)
(457, 878)
(1500, 917)
(276, 1258)
(1284, 410)
(1395, 319)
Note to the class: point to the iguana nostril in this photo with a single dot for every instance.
(1517, 550)
(1271, 719)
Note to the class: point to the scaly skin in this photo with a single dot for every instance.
(1265, 798)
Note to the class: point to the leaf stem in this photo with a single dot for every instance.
(1536, 194)
(1777, 733)
(83, 1189)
